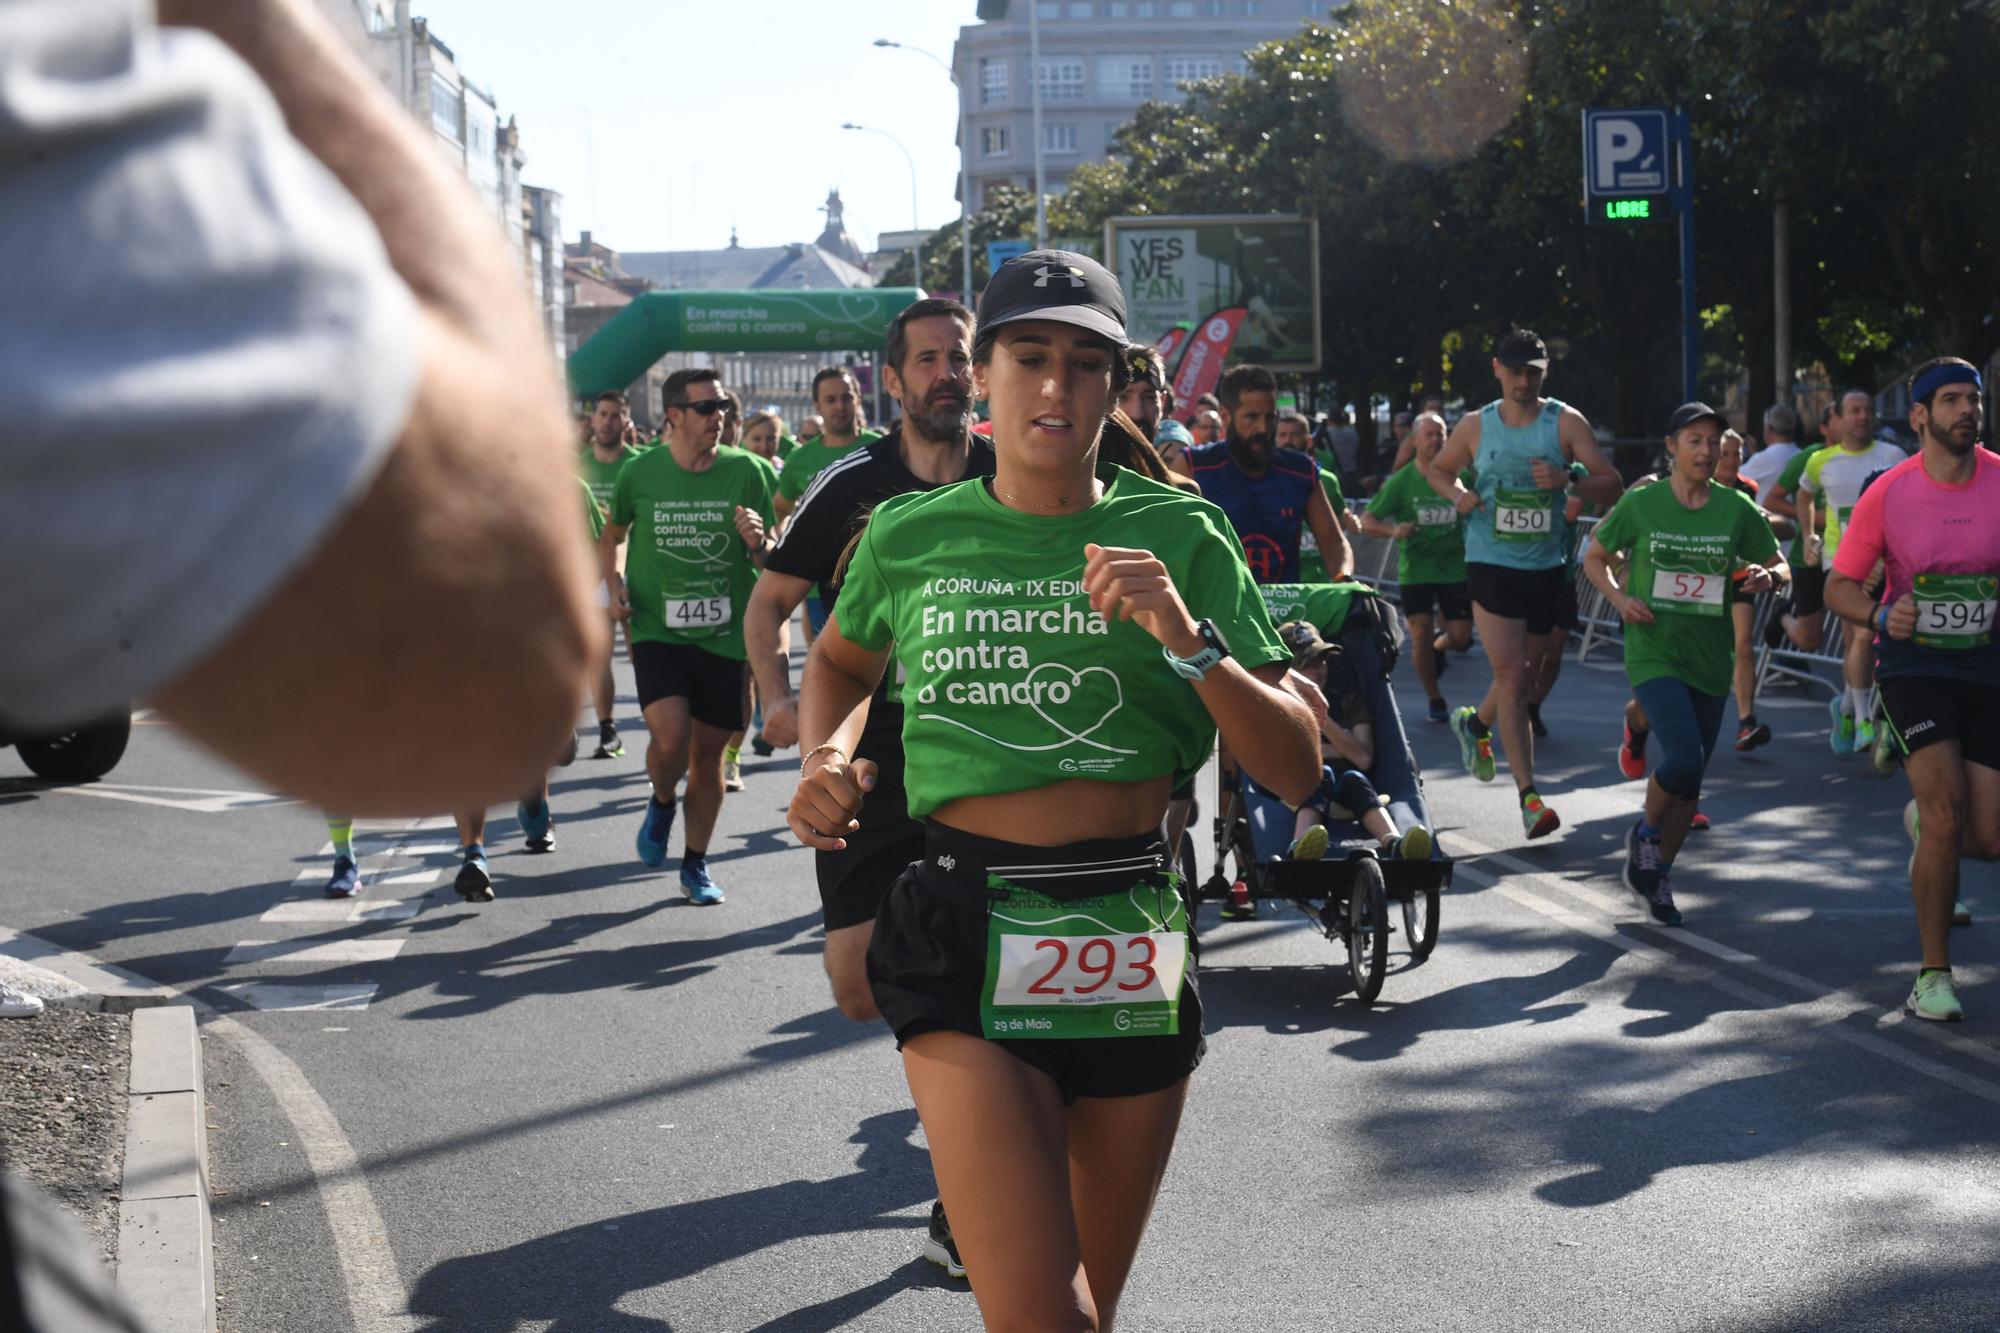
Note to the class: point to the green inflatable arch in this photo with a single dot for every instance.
(656, 323)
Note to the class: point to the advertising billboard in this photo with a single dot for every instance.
(1259, 273)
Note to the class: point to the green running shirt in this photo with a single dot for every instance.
(1011, 681)
(686, 567)
(1681, 564)
(809, 459)
(1436, 553)
(600, 476)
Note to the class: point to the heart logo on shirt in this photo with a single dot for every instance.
(1085, 705)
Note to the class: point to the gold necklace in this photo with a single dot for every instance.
(1014, 501)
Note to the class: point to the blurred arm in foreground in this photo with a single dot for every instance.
(347, 527)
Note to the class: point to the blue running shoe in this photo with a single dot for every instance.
(538, 825)
(654, 832)
(698, 886)
(346, 881)
(1440, 711)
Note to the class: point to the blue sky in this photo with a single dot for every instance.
(704, 112)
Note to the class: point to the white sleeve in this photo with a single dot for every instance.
(205, 357)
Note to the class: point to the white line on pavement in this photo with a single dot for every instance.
(196, 800)
(314, 951)
(274, 996)
(376, 1299)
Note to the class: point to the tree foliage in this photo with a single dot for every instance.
(1438, 144)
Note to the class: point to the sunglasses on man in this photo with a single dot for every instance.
(707, 407)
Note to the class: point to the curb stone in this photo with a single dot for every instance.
(166, 1242)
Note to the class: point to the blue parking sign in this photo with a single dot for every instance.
(1626, 152)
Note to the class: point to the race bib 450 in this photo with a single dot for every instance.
(1088, 967)
(1523, 515)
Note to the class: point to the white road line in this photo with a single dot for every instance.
(379, 847)
(376, 1299)
(314, 951)
(325, 911)
(1528, 888)
(272, 996)
(195, 800)
(384, 879)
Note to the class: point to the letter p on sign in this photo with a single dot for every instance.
(1618, 142)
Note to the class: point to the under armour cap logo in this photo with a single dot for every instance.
(1047, 271)
(947, 862)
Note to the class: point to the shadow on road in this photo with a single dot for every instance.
(574, 1281)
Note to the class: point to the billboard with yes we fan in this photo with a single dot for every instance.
(1260, 271)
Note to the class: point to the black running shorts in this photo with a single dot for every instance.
(853, 882)
(1924, 710)
(1808, 591)
(1566, 611)
(927, 961)
(712, 684)
(1533, 595)
(1449, 600)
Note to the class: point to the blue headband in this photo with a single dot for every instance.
(1937, 377)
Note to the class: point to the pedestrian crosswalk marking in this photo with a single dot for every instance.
(314, 951)
(271, 996)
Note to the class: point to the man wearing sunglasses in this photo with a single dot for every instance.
(700, 509)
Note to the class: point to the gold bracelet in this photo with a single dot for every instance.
(818, 749)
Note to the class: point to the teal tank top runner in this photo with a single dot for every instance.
(1520, 525)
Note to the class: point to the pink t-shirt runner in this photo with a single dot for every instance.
(1918, 525)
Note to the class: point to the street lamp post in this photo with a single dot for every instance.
(964, 165)
(916, 229)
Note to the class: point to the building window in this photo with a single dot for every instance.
(993, 141)
(1059, 138)
(992, 80)
(1183, 69)
(1048, 9)
(1125, 78)
(1180, 9)
(1062, 79)
(1080, 9)
(447, 109)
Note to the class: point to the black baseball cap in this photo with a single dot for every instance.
(1058, 285)
(1688, 413)
(1522, 348)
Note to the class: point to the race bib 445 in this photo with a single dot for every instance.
(1087, 967)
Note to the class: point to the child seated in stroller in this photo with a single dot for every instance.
(1347, 744)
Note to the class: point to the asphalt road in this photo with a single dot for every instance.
(589, 1106)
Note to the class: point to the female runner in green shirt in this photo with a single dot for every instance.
(1068, 643)
(1696, 546)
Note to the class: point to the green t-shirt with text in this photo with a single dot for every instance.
(1436, 552)
(811, 458)
(1311, 567)
(601, 476)
(1010, 681)
(1681, 564)
(686, 566)
(1324, 606)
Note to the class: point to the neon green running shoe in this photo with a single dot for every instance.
(1308, 846)
(1468, 744)
(1415, 845)
(1935, 998)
